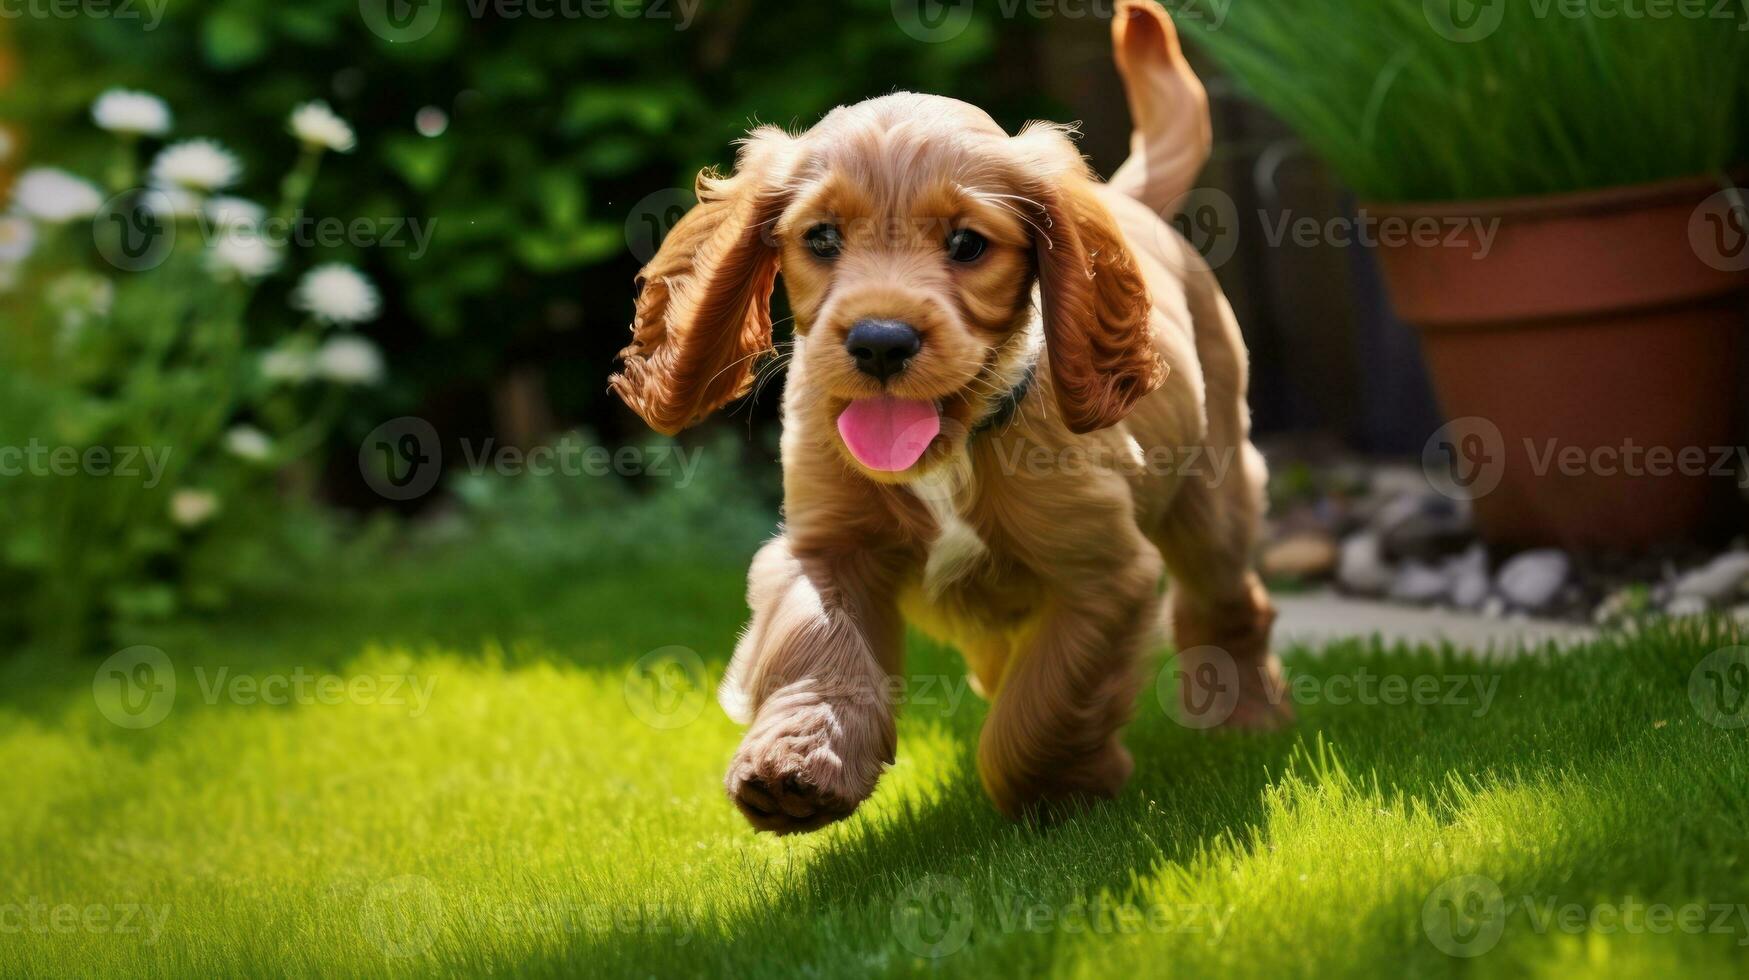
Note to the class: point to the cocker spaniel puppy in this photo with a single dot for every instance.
(1000, 364)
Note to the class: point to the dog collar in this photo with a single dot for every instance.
(1008, 404)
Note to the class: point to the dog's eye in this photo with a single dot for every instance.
(824, 241)
(965, 245)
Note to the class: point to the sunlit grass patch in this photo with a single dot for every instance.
(551, 804)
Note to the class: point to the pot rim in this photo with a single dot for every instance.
(1622, 197)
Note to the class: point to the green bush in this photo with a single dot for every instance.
(712, 507)
(150, 410)
(1410, 105)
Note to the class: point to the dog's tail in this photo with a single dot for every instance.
(1169, 109)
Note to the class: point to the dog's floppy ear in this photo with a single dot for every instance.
(1096, 304)
(704, 302)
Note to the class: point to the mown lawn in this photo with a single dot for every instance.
(550, 807)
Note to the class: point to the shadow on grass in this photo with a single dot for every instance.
(582, 617)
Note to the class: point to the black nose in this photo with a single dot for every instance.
(881, 347)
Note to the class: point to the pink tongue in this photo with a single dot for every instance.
(889, 434)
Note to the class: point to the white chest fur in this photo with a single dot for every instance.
(957, 549)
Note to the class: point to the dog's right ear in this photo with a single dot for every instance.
(704, 301)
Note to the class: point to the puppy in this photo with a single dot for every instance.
(1011, 391)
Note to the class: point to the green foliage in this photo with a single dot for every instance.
(1552, 99)
(702, 501)
(143, 436)
(553, 130)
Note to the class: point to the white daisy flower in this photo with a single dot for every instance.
(171, 201)
(248, 443)
(137, 113)
(229, 213)
(192, 508)
(198, 165)
(294, 366)
(17, 240)
(350, 361)
(337, 294)
(242, 255)
(316, 125)
(55, 196)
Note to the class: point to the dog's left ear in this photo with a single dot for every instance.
(1096, 306)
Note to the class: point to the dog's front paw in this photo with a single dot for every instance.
(809, 760)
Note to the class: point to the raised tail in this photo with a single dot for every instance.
(1169, 108)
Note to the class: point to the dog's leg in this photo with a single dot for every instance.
(1053, 730)
(1169, 109)
(812, 675)
(1220, 611)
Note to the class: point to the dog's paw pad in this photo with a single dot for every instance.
(785, 804)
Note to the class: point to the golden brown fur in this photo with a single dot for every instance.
(1037, 547)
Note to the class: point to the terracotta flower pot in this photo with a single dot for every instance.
(1585, 348)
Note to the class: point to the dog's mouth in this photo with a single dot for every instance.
(888, 434)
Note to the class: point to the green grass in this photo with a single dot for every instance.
(527, 822)
(1523, 99)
